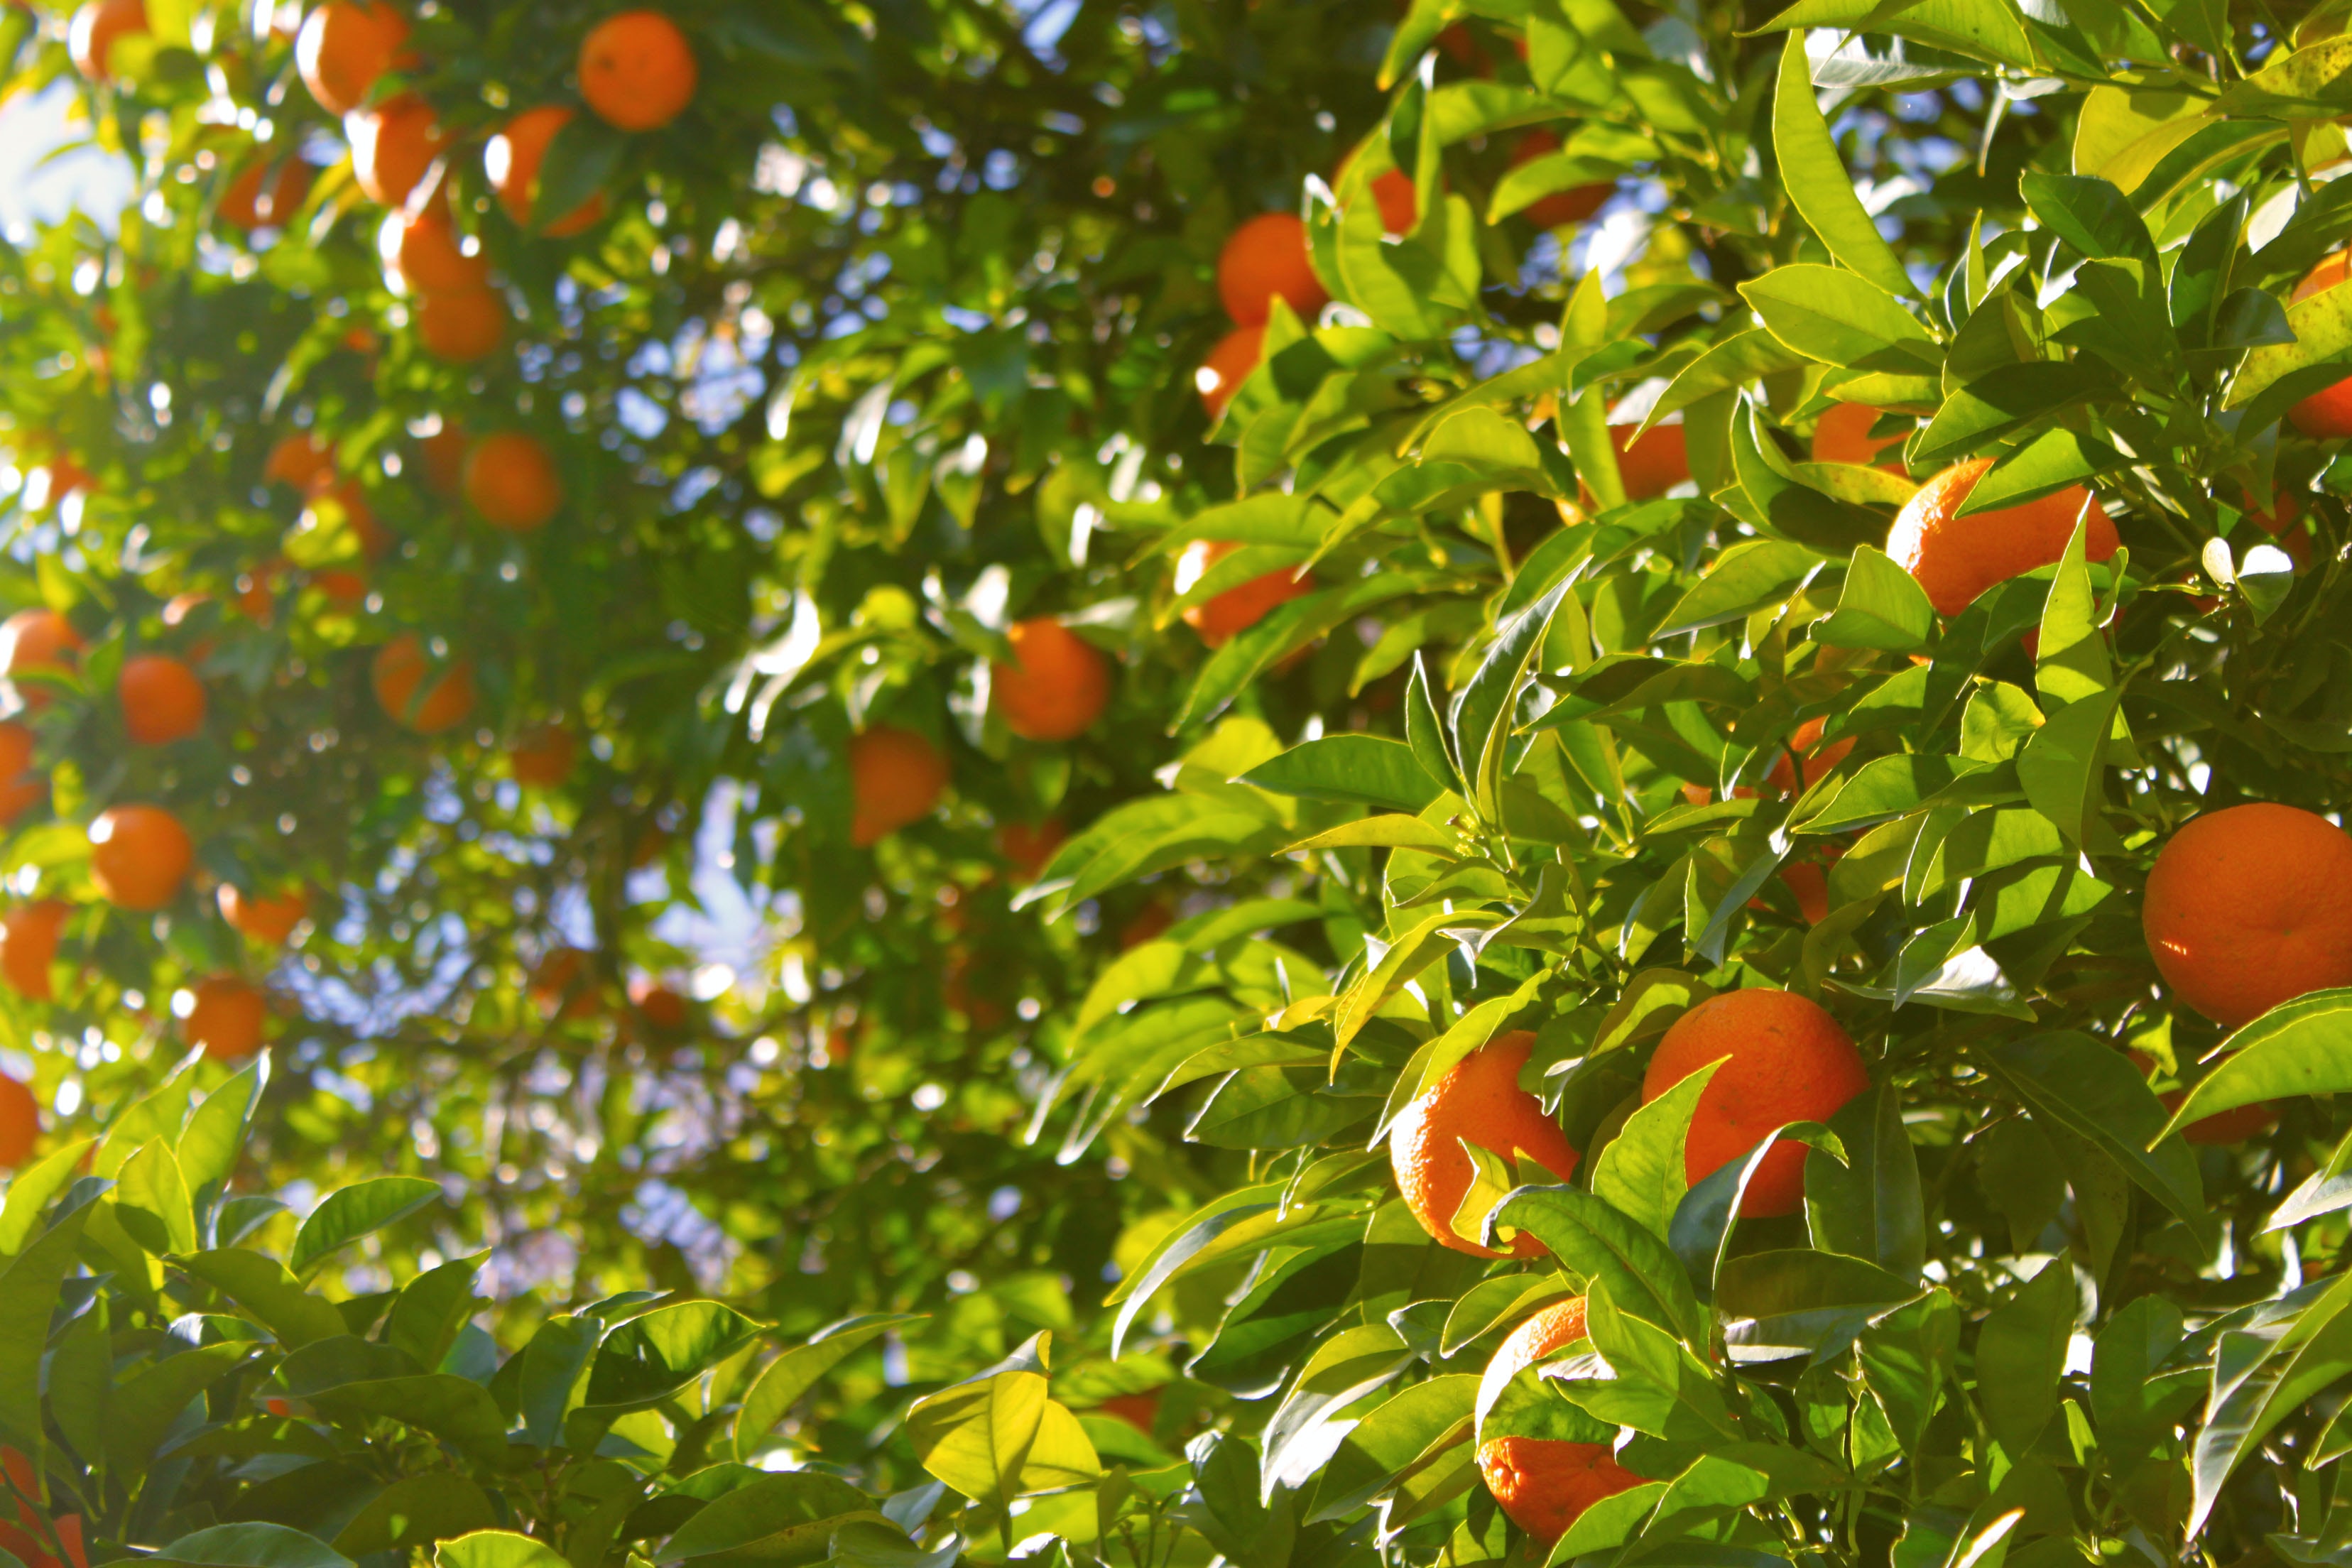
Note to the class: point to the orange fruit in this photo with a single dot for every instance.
(342, 589)
(95, 26)
(139, 856)
(1650, 463)
(2249, 907)
(1240, 608)
(1806, 741)
(462, 326)
(344, 499)
(1228, 365)
(18, 787)
(37, 640)
(1479, 1098)
(265, 195)
(163, 700)
(392, 146)
(1542, 1484)
(1265, 257)
(1057, 686)
(564, 986)
(423, 254)
(510, 482)
(1842, 435)
(227, 1018)
(636, 70)
(895, 777)
(1562, 207)
(2328, 413)
(1957, 558)
(1393, 192)
(1809, 882)
(1788, 1061)
(269, 918)
(301, 460)
(399, 676)
(28, 946)
(1028, 847)
(344, 46)
(20, 1123)
(658, 1004)
(512, 161)
(541, 757)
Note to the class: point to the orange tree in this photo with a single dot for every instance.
(1650, 874)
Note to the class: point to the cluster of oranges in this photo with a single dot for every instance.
(1264, 258)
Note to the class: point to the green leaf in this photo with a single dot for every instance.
(1881, 606)
(2089, 214)
(781, 1519)
(31, 1190)
(1840, 318)
(1353, 769)
(2022, 1356)
(344, 1216)
(2004, 400)
(794, 1372)
(455, 1409)
(997, 1435)
(1641, 1173)
(417, 1511)
(28, 1294)
(649, 1358)
(2322, 325)
(430, 1309)
(152, 1201)
(249, 1546)
(2122, 134)
(2262, 1374)
(2062, 765)
(577, 165)
(1883, 788)
(1744, 579)
(2300, 1047)
(1816, 178)
(2048, 463)
(1594, 1241)
(1415, 1425)
(215, 1136)
(1869, 1205)
(497, 1549)
(146, 1405)
(1483, 710)
(261, 1286)
(2091, 1089)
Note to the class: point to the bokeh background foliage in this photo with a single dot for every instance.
(680, 1141)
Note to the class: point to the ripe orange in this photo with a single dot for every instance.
(1265, 257)
(20, 1123)
(163, 700)
(1240, 608)
(1843, 436)
(392, 146)
(344, 500)
(1393, 192)
(512, 161)
(1057, 686)
(1788, 1061)
(1806, 741)
(265, 193)
(1228, 365)
(95, 26)
(441, 460)
(1140, 1411)
(398, 675)
(1028, 847)
(636, 70)
(139, 856)
(541, 757)
(1562, 207)
(1957, 558)
(895, 777)
(269, 918)
(1653, 463)
(1479, 1098)
(34, 640)
(1809, 882)
(564, 986)
(344, 46)
(510, 482)
(658, 1004)
(1542, 1484)
(20, 786)
(2249, 907)
(28, 946)
(227, 1019)
(2327, 415)
(342, 589)
(462, 326)
(423, 254)
(300, 460)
